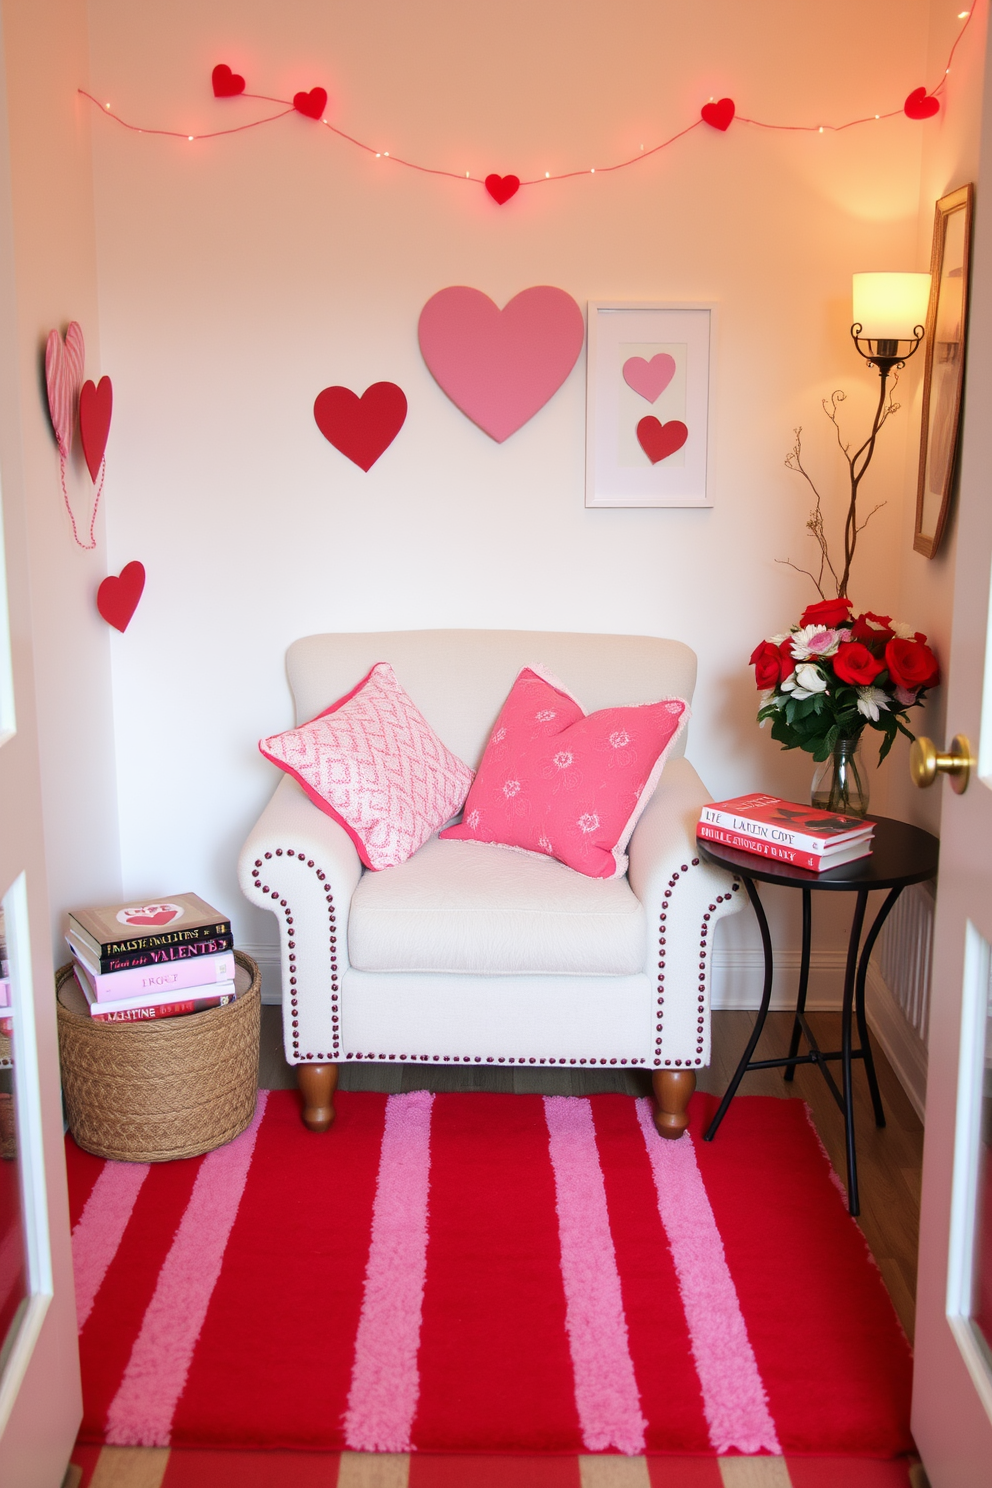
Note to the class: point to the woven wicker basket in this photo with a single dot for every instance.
(149, 1092)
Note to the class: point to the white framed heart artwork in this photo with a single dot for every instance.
(648, 401)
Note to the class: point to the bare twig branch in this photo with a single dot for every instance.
(788, 563)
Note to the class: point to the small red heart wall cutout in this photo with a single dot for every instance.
(118, 595)
(312, 104)
(64, 361)
(659, 440)
(720, 114)
(227, 84)
(501, 188)
(96, 405)
(361, 428)
(920, 105)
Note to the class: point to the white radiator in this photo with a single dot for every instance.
(903, 954)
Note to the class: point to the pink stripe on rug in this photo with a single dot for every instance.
(100, 1229)
(606, 1393)
(385, 1380)
(141, 1412)
(734, 1399)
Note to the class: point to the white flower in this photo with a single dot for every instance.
(806, 680)
(473, 819)
(588, 822)
(870, 699)
(815, 640)
(619, 739)
(563, 759)
(903, 631)
(511, 788)
(546, 715)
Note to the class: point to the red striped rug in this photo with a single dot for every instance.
(487, 1273)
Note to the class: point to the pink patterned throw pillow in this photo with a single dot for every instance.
(557, 781)
(372, 761)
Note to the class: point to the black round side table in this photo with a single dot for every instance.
(901, 855)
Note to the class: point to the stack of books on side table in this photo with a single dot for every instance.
(802, 836)
(135, 962)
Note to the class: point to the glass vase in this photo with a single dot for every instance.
(840, 782)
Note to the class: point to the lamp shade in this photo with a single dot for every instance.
(888, 306)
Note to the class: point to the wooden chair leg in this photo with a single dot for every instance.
(672, 1089)
(317, 1084)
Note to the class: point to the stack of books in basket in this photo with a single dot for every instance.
(136, 962)
(802, 836)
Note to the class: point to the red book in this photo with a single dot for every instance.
(161, 1010)
(796, 856)
(786, 823)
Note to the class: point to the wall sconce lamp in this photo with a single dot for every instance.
(890, 312)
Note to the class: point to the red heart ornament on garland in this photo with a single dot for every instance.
(920, 105)
(312, 104)
(501, 188)
(659, 440)
(118, 595)
(361, 428)
(96, 404)
(720, 115)
(227, 84)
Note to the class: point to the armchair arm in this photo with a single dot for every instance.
(683, 898)
(303, 867)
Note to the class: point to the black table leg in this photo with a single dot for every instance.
(797, 1027)
(850, 978)
(759, 1023)
(859, 1004)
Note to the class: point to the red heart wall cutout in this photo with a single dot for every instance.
(720, 114)
(659, 440)
(361, 428)
(96, 404)
(501, 188)
(118, 595)
(312, 104)
(919, 105)
(227, 84)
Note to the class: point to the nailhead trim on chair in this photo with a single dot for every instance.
(490, 1059)
(701, 995)
(334, 1053)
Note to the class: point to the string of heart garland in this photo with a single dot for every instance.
(920, 103)
(69, 397)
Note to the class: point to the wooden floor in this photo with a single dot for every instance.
(889, 1158)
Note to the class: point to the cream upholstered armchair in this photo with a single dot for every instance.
(470, 953)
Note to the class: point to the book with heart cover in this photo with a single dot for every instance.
(114, 929)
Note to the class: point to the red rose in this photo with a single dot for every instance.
(767, 665)
(872, 627)
(788, 665)
(911, 664)
(828, 613)
(853, 662)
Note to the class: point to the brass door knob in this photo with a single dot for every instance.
(925, 763)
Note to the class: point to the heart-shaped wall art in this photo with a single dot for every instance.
(500, 366)
(226, 84)
(659, 440)
(920, 105)
(312, 104)
(501, 188)
(64, 362)
(96, 405)
(649, 379)
(118, 595)
(720, 114)
(361, 428)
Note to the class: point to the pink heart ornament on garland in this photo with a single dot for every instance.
(64, 362)
(649, 379)
(118, 595)
(500, 366)
(96, 405)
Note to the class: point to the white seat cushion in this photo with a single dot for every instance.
(474, 907)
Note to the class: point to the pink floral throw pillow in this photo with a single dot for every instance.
(372, 761)
(555, 780)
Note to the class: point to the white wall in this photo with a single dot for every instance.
(47, 48)
(240, 276)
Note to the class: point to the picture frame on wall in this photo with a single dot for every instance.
(648, 403)
(943, 372)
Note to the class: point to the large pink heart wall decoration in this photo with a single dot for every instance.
(64, 361)
(96, 404)
(500, 366)
(649, 379)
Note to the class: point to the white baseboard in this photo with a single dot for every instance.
(266, 958)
